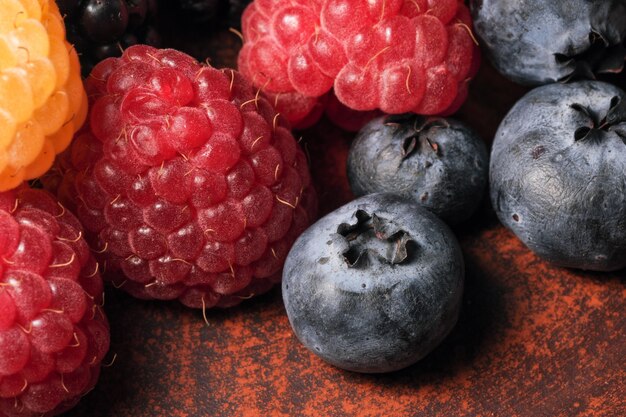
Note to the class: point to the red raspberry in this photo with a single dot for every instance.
(394, 55)
(186, 179)
(53, 334)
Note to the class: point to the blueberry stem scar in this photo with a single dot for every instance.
(374, 238)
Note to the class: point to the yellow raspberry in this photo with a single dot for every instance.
(42, 99)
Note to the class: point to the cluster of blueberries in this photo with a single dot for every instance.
(376, 285)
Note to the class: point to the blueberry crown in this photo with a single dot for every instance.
(613, 121)
(373, 238)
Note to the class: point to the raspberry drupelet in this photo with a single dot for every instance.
(186, 179)
(42, 100)
(393, 55)
(53, 333)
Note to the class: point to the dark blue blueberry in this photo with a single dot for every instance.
(537, 41)
(558, 174)
(440, 163)
(375, 285)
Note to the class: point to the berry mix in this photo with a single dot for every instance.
(186, 180)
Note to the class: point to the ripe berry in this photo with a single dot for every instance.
(440, 163)
(397, 56)
(42, 101)
(100, 29)
(558, 174)
(538, 42)
(375, 285)
(186, 179)
(53, 334)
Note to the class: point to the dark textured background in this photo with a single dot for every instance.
(532, 340)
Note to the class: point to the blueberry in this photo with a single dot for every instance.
(440, 163)
(375, 285)
(558, 174)
(537, 42)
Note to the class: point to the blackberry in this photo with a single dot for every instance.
(101, 29)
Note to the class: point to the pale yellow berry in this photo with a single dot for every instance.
(42, 99)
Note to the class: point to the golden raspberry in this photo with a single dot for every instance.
(42, 100)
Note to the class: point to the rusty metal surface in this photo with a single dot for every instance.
(532, 340)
